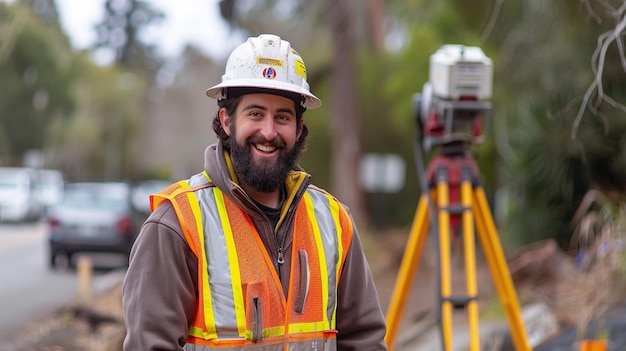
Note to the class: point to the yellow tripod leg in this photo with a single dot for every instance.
(444, 263)
(408, 267)
(469, 244)
(499, 269)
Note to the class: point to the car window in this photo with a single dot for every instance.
(97, 197)
(50, 179)
(12, 179)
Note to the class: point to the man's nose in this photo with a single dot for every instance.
(268, 128)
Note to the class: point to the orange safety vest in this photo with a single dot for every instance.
(240, 299)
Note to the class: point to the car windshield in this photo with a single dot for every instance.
(11, 179)
(50, 179)
(101, 197)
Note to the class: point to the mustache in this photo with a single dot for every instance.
(259, 139)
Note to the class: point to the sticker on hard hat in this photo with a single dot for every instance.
(269, 73)
(269, 61)
(300, 69)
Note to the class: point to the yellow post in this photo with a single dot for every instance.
(85, 273)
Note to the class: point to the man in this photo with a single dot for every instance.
(247, 253)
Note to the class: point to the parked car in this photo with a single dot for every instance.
(49, 188)
(91, 217)
(18, 199)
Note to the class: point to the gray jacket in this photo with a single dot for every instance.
(160, 287)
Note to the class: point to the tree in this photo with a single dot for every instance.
(544, 89)
(345, 126)
(44, 10)
(99, 140)
(119, 32)
(37, 77)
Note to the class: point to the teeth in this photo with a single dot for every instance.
(265, 148)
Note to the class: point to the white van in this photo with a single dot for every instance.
(18, 199)
(50, 186)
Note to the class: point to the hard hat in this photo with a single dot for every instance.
(265, 62)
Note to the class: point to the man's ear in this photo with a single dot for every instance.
(225, 120)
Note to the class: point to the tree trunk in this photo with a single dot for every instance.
(344, 118)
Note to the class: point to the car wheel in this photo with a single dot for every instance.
(53, 259)
(70, 260)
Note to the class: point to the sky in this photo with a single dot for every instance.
(197, 22)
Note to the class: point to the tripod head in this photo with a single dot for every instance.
(450, 109)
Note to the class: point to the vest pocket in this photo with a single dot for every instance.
(303, 288)
(257, 320)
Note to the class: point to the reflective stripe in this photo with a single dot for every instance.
(322, 344)
(223, 288)
(235, 292)
(207, 317)
(329, 232)
(241, 295)
(328, 289)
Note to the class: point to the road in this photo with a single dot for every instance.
(29, 289)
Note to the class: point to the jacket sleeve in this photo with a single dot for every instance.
(159, 289)
(360, 320)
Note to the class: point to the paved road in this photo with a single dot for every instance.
(29, 290)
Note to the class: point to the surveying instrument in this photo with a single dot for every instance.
(449, 113)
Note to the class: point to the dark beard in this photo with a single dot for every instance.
(265, 177)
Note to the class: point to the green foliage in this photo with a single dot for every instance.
(99, 141)
(119, 32)
(541, 52)
(542, 71)
(37, 77)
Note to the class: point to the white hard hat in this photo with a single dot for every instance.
(266, 62)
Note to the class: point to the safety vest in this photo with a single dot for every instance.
(241, 302)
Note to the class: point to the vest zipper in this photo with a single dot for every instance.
(281, 235)
(281, 258)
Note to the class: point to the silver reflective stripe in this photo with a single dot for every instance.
(220, 275)
(220, 280)
(197, 179)
(328, 231)
(309, 345)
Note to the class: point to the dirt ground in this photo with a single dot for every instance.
(541, 273)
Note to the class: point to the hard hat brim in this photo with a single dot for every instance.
(217, 92)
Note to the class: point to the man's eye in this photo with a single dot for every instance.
(286, 117)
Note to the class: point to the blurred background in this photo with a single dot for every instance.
(114, 90)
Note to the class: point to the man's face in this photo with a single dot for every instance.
(263, 133)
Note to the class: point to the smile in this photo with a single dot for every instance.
(265, 148)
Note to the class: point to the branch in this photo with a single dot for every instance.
(492, 21)
(591, 12)
(604, 42)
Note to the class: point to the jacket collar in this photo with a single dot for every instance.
(218, 165)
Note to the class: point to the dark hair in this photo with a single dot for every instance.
(230, 104)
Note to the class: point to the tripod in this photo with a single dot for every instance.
(456, 198)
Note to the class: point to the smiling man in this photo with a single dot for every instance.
(248, 253)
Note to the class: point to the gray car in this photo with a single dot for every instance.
(92, 217)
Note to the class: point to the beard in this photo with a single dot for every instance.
(264, 176)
